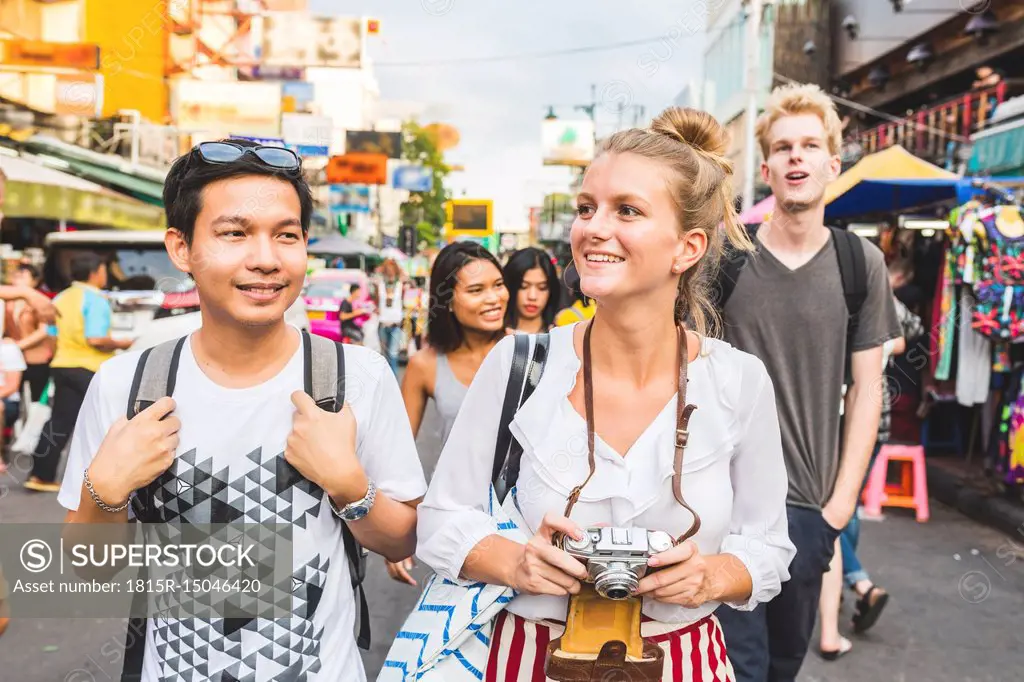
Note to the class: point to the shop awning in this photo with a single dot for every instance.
(865, 188)
(35, 191)
(998, 150)
(336, 245)
(113, 172)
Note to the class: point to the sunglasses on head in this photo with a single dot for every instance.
(229, 152)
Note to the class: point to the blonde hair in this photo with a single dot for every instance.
(795, 99)
(692, 145)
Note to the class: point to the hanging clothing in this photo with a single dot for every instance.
(974, 360)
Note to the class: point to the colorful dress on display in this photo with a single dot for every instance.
(999, 285)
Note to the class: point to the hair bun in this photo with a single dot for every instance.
(696, 128)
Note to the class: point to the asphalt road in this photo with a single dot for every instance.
(955, 615)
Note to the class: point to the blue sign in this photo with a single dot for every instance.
(297, 95)
(413, 178)
(349, 198)
(311, 150)
(265, 141)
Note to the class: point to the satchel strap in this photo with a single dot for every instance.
(683, 412)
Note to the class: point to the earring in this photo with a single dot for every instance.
(676, 269)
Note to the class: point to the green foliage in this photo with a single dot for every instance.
(425, 209)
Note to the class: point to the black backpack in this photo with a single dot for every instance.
(852, 270)
(323, 380)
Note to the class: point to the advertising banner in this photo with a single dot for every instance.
(567, 143)
(350, 199)
(413, 178)
(297, 97)
(374, 142)
(21, 52)
(301, 40)
(358, 169)
(470, 218)
(225, 107)
(310, 135)
(79, 95)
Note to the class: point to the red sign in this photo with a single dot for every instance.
(358, 168)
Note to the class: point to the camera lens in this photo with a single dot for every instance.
(616, 582)
(618, 593)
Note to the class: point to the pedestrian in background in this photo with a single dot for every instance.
(83, 344)
(390, 311)
(468, 299)
(534, 288)
(788, 307)
(31, 334)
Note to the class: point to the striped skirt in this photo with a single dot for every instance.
(693, 653)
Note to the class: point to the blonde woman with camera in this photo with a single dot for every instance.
(611, 439)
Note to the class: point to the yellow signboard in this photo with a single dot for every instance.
(469, 218)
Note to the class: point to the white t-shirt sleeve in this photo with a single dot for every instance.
(759, 530)
(11, 359)
(453, 518)
(386, 447)
(94, 420)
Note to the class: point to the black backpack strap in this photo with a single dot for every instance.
(324, 381)
(729, 271)
(522, 381)
(854, 274)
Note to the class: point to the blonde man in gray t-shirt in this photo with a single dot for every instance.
(788, 308)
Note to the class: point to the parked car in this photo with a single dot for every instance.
(324, 292)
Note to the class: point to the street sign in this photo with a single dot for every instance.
(469, 218)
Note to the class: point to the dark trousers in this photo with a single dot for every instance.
(36, 377)
(69, 387)
(769, 643)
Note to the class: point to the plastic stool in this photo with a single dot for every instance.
(912, 490)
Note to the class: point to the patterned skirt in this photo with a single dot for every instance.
(693, 653)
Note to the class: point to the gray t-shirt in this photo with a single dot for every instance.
(795, 321)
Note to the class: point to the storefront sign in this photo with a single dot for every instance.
(374, 142)
(225, 107)
(358, 169)
(17, 52)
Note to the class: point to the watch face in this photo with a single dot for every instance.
(357, 513)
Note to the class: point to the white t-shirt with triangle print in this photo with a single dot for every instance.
(231, 438)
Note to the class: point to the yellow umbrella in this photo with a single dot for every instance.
(894, 163)
(35, 191)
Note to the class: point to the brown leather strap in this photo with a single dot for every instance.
(683, 412)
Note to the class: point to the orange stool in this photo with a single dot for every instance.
(912, 490)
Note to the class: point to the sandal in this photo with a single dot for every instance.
(845, 646)
(868, 609)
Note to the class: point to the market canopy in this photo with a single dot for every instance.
(336, 245)
(36, 191)
(875, 184)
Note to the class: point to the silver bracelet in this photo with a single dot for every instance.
(96, 498)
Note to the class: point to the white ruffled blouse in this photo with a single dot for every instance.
(733, 471)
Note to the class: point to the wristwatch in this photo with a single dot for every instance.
(358, 509)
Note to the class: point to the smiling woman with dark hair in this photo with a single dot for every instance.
(531, 279)
(468, 297)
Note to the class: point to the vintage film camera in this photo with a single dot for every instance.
(616, 558)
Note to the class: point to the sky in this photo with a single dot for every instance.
(498, 106)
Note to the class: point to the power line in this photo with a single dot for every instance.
(527, 55)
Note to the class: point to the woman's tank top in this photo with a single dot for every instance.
(449, 393)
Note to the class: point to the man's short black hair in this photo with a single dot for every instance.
(83, 265)
(32, 270)
(189, 175)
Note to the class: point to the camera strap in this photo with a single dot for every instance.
(683, 412)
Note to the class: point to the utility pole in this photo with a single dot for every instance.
(752, 46)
